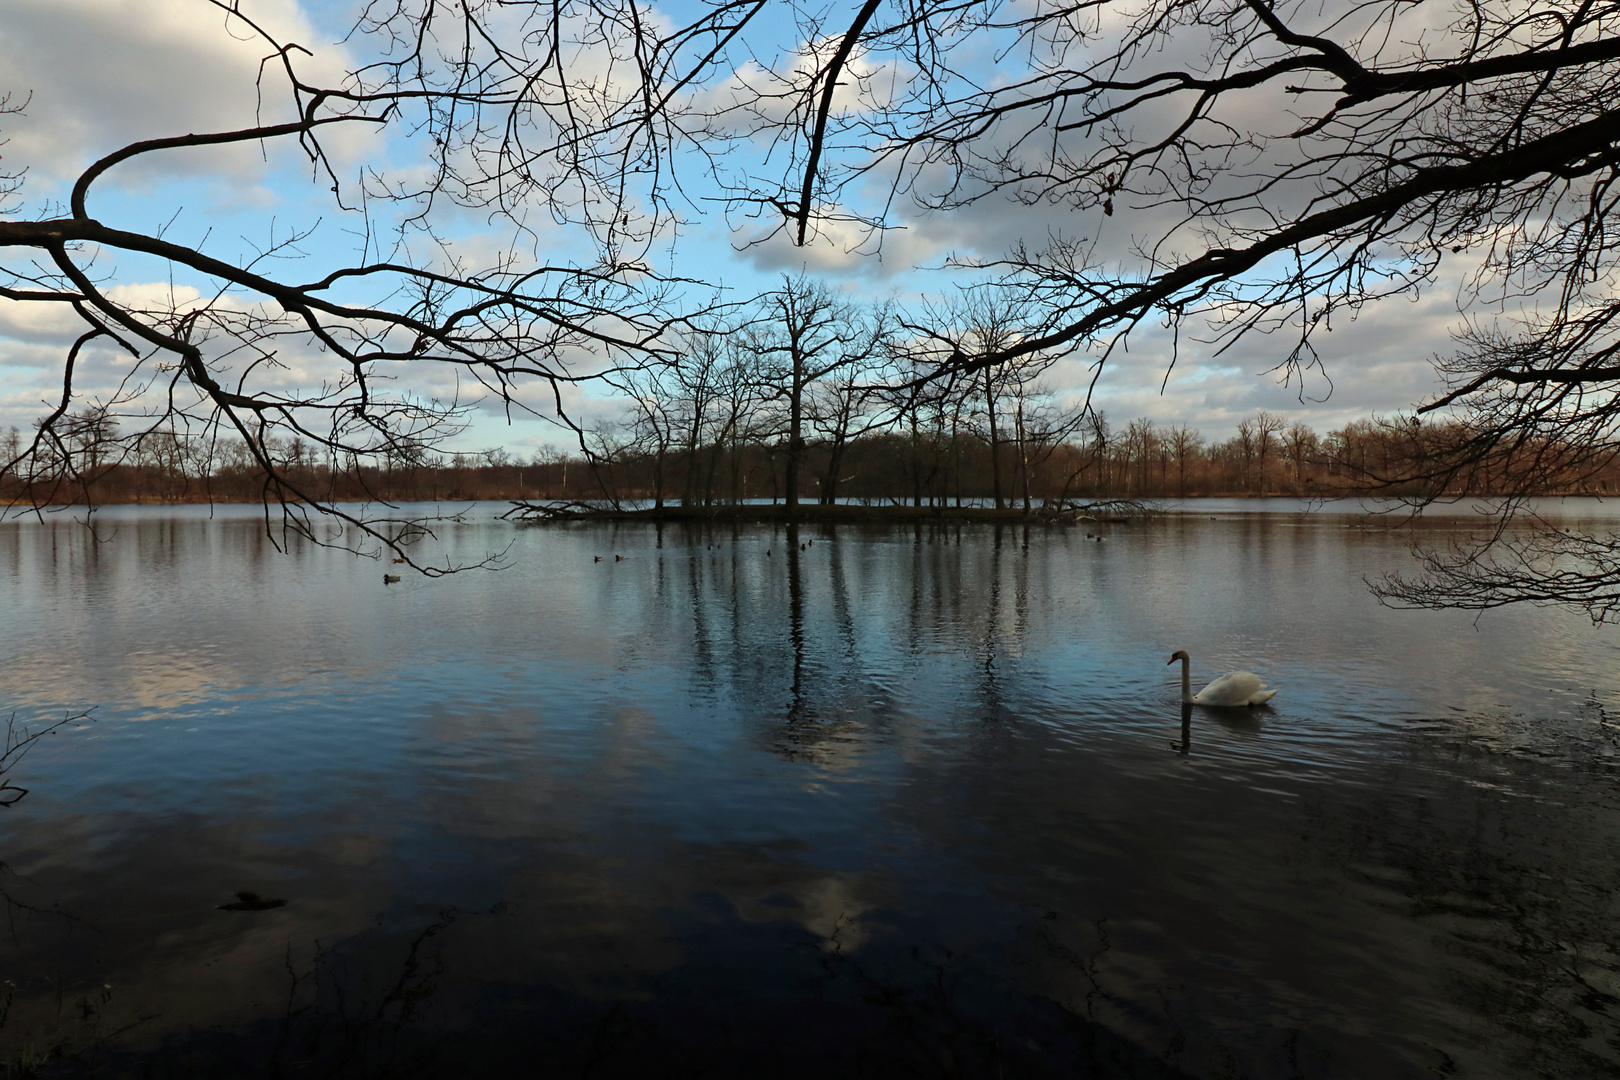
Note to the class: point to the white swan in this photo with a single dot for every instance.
(1233, 688)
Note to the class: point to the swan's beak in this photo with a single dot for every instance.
(1171, 660)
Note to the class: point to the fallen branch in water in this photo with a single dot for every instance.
(1117, 511)
(562, 510)
(1050, 512)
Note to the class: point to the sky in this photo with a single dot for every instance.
(97, 74)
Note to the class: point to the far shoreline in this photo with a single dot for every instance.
(562, 511)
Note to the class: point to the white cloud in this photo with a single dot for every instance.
(1377, 362)
(33, 321)
(100, 74)
(841, 247)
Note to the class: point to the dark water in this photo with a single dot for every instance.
(908, 802)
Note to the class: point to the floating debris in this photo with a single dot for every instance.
(251, 901)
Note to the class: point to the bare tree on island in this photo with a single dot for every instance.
(1002, 402)
(804, 334)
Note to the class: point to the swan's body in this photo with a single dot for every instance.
(1232, 689)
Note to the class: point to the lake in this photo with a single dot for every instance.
(908, 801)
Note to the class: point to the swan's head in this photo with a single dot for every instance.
(1179, 654)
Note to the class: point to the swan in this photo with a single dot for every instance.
(1233, 688)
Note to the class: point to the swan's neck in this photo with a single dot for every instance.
(1186, 681)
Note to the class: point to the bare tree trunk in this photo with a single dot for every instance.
(995, 437)
(1023, 453)
(795, 447)
(956, 457)
(916, 463)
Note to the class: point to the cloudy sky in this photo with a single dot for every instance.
(97, 74)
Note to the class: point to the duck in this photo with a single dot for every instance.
(598, 558)
(389, 579)
(1233, 689)
(618, 558)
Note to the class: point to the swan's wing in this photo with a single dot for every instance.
(1260, 697)
(1233, 688)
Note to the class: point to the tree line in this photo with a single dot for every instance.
(731, 461)
(807, 395)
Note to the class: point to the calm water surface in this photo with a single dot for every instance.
(906, 802)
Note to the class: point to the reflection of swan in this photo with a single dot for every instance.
(1233, 688)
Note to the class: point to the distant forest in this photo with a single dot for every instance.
(1268, 456)
(801, 396)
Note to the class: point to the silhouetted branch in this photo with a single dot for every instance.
(19, 740)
